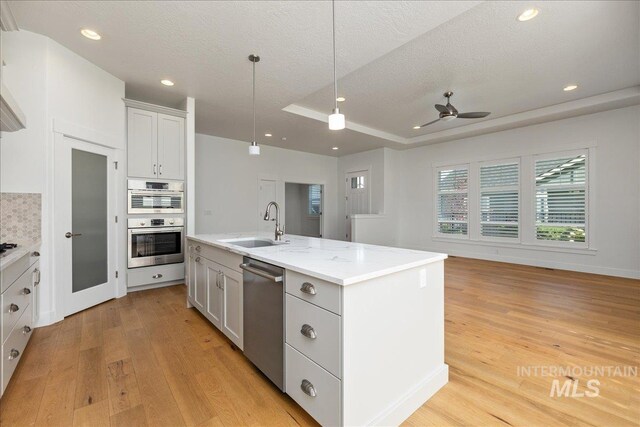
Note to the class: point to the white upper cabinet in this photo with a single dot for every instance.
(170, 147)
(155, 145)
(142, 137)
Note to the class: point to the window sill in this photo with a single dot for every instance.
(525, 246)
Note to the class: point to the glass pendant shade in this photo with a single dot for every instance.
(254, 149)
(336, 120)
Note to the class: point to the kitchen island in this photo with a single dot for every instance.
(376, 353)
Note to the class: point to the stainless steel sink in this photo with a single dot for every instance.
(251, 242)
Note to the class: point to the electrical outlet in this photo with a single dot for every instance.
(423, 278)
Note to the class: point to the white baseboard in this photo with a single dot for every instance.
(154, 286)
(47, 318)
(583, 268)
(409, 403)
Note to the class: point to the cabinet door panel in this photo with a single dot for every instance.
(170, 147)
(214, 293)
(232, 320)
(200, 288)
(191, 276)
(142, 143)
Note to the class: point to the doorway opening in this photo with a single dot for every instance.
(303, 204)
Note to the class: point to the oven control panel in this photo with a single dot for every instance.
(155, 222)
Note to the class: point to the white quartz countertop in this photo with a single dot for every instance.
(12, 255)
(343, 263)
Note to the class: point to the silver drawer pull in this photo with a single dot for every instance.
(197, 259)
(198, 248)
(157, 276)
(36, 279)
(308, 388)
(26, 330)
(308, 331)
(26, 291)
(13, 354)
(13, 308)
(308, 288)
(35, 253)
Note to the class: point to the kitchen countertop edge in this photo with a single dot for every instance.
(19, 252)
(339, 281)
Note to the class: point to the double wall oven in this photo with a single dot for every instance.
(155, 240)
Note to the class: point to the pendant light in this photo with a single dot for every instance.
(336, 120)
(254, 148)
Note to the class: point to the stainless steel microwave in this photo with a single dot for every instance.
(147, 197)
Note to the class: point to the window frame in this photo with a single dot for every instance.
(587, 190)
(517, 187)
(436, 222)
(309, 204)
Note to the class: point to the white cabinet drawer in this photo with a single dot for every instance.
(221, 256)
(316, 291)
(13, 347)
(315, 332)
(15, 299)
(15, 270)
(324, 407)
(155, 274)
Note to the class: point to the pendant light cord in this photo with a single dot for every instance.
(335, 79)
(254, 102)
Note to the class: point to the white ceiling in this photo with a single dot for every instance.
(395, 59)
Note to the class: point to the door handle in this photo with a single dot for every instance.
(69, 234)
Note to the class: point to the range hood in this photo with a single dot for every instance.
(11, 116)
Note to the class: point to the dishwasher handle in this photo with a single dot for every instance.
(262, 273)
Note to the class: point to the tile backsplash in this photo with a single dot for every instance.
(20, 217)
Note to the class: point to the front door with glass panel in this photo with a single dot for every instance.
(84, 224)
(357, 196)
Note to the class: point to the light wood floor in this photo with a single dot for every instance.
(147, 360)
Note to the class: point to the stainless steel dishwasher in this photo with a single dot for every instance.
(264, 318)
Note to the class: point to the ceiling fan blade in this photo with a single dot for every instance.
(442, 109)
(430, 123)
(474, 115)
(452, 109)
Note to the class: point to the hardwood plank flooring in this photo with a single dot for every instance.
(147, 360)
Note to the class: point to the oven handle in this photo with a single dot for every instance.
(151, 230)
(155, 193)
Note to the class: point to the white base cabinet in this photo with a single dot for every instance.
(216, 289)
(18, 284)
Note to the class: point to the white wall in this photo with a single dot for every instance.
(54, 85)
(226, 183)
(615, 187)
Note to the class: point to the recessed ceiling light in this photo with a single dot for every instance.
(167, 82)
(284, 138)
(528, 14)
(341, 99)
(90, 34)
(416, 127)
(334, 148)
(267, 134)
(569, 88)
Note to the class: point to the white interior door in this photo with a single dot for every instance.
(84, 224)
(357, 196)
(266, 194)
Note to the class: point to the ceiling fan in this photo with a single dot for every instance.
(449, 112)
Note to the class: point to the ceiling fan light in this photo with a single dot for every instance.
(254, 149)
(336, 120)
(448, 118)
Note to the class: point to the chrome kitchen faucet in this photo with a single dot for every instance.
(267, 217)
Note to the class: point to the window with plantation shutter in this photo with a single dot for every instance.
(453, 201)
(499, 201)
(561, 190)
